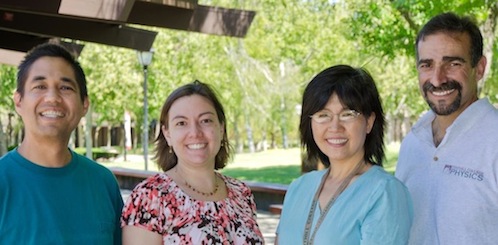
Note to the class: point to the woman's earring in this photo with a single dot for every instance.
(170, 150)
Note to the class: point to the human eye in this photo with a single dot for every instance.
(321, 116)
(39, 86)
(348, 115)
(424, 66)
(207, 119)
(455, 64)
(179, 123)
(67, 88)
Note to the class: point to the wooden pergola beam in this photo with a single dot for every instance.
(26, 23)
(184, 15)
(13, 46)
(78, 29)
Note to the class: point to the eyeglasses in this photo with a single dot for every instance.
(326, 116)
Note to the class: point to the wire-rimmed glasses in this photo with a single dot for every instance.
(326, 116)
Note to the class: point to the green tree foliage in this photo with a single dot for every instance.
(388, 27)
(8, 85)
(113, 81)
(10, 124)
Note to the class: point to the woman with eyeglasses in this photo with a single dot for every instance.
(353, 200)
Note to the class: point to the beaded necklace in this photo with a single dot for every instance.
(206, 194)
(309, 236)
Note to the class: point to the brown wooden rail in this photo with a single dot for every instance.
(268, 196)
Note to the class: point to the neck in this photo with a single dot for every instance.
(202, 181)
(439, 126)
(45, 155)
(343, 170)
(442, 122)
(201, 173)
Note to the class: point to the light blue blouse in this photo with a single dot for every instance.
(375, 209)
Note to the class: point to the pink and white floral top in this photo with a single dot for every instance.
(159, 205)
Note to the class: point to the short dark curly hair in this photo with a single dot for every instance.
(451, 23)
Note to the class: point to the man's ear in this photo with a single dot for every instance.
(17, 100)
(481, 68)
(86, 105)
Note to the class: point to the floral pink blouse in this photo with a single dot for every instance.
(159, 205)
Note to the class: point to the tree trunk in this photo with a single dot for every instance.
(88, 133)
(80, 138)
(406, 124)
(108, 137)
(283, 123)
(239, 146)
(488, 30)
(3, 141)
(390, 128)
(250, 137)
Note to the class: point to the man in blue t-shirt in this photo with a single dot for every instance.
(48, 193)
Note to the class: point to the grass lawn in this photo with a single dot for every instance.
(272, 166)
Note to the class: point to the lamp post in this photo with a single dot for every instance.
(145, 58)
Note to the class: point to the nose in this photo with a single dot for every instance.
(438, 76)
(335, 123)
(195, 129)
(53, 95)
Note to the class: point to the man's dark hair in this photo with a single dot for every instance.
(50, 50)
(452, 23)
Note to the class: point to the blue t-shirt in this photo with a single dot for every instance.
(76, 204)
(375, 209)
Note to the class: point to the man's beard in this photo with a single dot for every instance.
(443, 109)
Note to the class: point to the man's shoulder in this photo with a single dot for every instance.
(6, 160)
(92, 165)
(485, 116)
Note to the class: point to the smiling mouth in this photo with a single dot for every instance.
(337, 141)
(442, 92)
(53, 114)
(196, 146)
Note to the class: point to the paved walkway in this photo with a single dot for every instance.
(268, 224)
(267, 221)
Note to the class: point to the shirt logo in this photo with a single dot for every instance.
(464, 172)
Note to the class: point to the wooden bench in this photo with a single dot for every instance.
(276, 208)
(129, 178)
(268, 196)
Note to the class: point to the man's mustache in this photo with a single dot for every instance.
(428, 87)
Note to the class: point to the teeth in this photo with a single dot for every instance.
(52, 114)
(196, 146)
(442, 93)
(337, 141)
